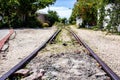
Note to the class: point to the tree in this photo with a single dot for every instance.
(86, 9)
(114, 16)
(74, 14)
(113, 13)
(21, 10)
(52, 17)
(63, 20)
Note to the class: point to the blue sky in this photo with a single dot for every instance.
(65, 3)
(62, 7)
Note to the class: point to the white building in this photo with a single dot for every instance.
(79, 21)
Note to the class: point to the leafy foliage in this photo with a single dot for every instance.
(20, 11)
(52, 17)
(63, 20)
(45, 24)
(114, 15)
(94, 12)
(86, 9)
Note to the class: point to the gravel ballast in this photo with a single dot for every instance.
(64, 59)
(107, 47)
(25, 41)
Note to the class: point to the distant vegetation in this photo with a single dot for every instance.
(90, 10)
(52, 17)
(21, 13)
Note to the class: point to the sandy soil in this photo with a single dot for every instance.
(24, 43)
(107, 47)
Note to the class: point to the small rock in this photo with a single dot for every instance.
(23, 72)
(64, 44)
(3, 55)
(50, 76)
(5, 47)
(54, 73)
(38, 76)
(19, 58)
(62, 54)
(34, 76)
(98, 64)
(42, 71)
(75, 72)
(99, 74)
(84, 50)
(77, 52)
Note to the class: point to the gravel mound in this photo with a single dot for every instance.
(68, 66)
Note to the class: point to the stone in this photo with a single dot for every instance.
(4, 55)
(5, 47)
(65, 44)
(77, 52)
(23, 72)
(42, 71)
(37, 76)
(99, 74)
(98, 65)
(34, 76)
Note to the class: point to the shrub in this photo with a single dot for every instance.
(45, 25)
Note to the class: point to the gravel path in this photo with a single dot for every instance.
(107, 47)
(24, 43)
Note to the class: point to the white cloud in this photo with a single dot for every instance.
(62, 11)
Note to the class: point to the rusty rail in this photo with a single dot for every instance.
(107, 69)
(28, 58)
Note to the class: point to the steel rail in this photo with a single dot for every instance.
(107, 69)
(28, 58)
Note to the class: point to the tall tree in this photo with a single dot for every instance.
(94, 11)
(86, 9)
(113, 13)
(21, 9)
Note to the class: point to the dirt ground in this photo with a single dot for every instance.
(25, 41)
(107, 47)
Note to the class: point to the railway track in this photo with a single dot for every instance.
(113, 75)
(69, 58)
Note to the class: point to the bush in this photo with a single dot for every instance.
(73, 22)
(45, 25)
(32, 22)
